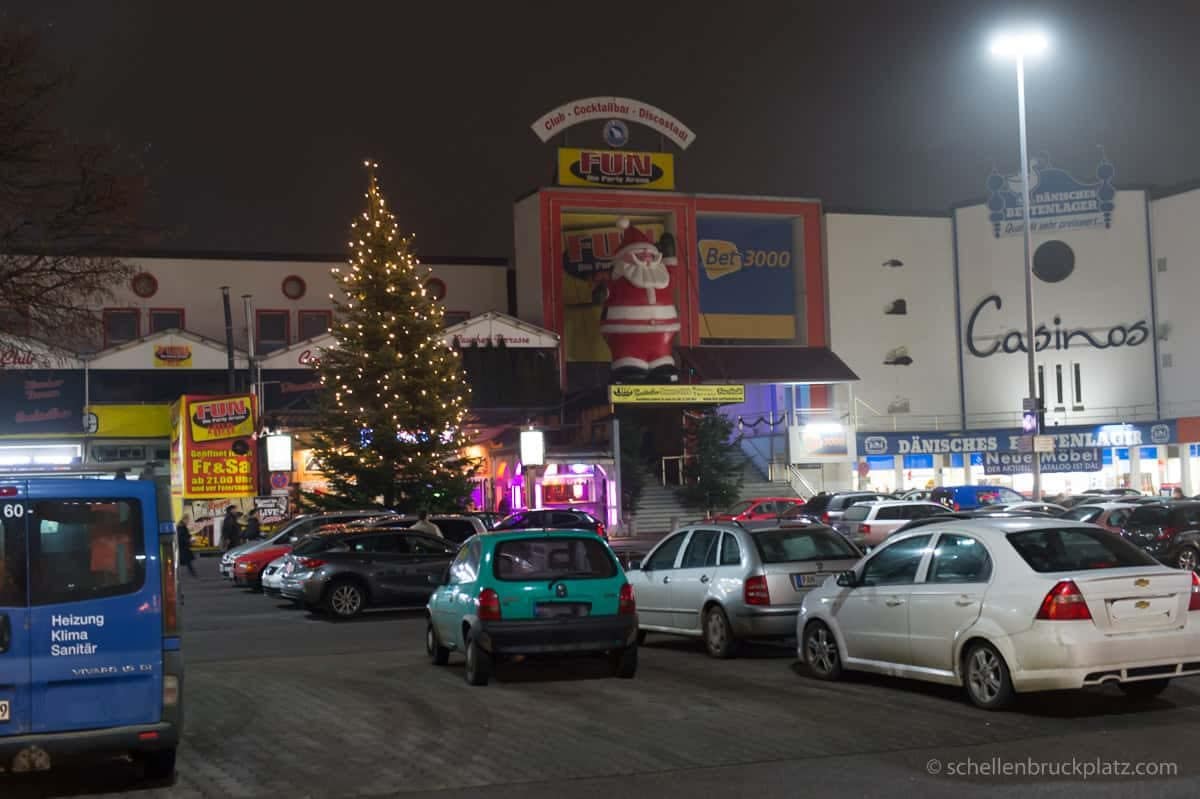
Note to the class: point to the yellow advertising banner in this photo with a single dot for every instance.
(173, 356)
(131, 421)
(616, 169)
(676, 395)
(221, 417)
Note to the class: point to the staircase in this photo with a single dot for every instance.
(659, 506)
(755, 484)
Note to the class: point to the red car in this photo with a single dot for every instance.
(248, 568)
(759, 509)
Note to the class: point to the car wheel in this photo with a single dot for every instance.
(821, 651)
(1188, 559)
(988, 683)
(624, 662)
(479, 663)
(1145, 690)
(439, 654)
(158, 766)
(344, 600)
(641, 637)
(718, 636)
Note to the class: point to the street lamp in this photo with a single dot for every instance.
(1019, 46)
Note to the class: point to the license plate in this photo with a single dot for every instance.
(558, 610)
(4, 710)
(800, 581)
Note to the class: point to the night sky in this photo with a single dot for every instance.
(252, 118)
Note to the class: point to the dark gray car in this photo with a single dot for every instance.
(345, 573)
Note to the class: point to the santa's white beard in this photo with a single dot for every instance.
(652, 275)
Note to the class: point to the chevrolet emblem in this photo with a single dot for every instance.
(1141, 582)
(1141, 604)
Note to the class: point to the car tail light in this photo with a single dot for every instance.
(626, 605)
(600, 531)
(755, 591)
(170, 584)
(1194, 604)
(310, 563)
(865, 529)
(825, 517)
(1064, 603)
(957, 507)
(489, 605)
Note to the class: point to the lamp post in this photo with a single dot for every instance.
(1018, 47)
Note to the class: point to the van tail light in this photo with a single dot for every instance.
(310, 563)
(170, 690)
(489, 605)
(1064, 602)
(168, 557)
(957, 507)
(626, 605)
(1194, 603)
(755, 591)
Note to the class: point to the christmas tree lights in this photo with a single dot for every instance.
(393, 403)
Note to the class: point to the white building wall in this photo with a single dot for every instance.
(921, 394)
(1175, 222)
(1109, 288)
(193, 284)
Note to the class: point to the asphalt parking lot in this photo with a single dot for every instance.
(282, 703)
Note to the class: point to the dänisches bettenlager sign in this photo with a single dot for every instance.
(1057, 201)
(1009, 439)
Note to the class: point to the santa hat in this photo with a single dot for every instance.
(631, 235)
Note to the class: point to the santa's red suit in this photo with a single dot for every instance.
(640, 319)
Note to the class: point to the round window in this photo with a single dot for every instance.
(145, 285)
(294, 287)
(436, 288)
(1053, 261)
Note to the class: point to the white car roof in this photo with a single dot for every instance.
(891, 503)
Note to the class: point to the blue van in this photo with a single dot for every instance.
(90, 661)
(972, 497)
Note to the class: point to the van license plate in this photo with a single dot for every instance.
(4, 710)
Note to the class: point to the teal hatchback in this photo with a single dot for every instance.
(525, 593)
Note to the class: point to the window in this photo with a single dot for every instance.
(456, 530)
(1085, 513)
(1077, 383)
(896, 564)
(1076, 549)
(891, 512)
(1008, 496)
(553, 558)
(121, 325)
(791, 546)
(731, 553)
(1058, 384)
(14, 321)
(857, 513)
(1154, 516)
(388, 544)
(423, 545)
(314, 323)
(166, 319)
(740, 507)
(465, 567)
(701, 550)
(12, 555)
(959, 559)
(85, 549)
(1117, 518)
(664, 556)
(925, 511)
(271, 331)
(319, 543)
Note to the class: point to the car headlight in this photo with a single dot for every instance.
(302, 576)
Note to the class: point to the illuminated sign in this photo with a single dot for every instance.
(616, 169)
(676, 395)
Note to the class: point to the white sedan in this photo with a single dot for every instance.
(1005, 606)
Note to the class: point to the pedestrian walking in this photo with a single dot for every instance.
(253, 529)
(231, 531)
(424, 525)
(185, 545)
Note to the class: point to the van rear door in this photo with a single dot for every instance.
(14, 613)
(96, 604)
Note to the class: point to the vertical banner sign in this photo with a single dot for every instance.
(217, 451)
(747, 276)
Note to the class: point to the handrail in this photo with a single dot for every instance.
(799, 483)
(679, 461)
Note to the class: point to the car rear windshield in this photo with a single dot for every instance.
(856, 513)
(317, 543)
(789, 546)
(1076, 549)
(576, 558)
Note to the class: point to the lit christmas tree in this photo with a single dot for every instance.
(393, 395)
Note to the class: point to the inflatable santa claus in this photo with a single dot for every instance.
(639, 319)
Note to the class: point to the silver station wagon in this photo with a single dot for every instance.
(724, 582)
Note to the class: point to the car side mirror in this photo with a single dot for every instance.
(847, 579)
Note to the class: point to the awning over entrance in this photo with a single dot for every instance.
(489, 329)
(769, 364)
